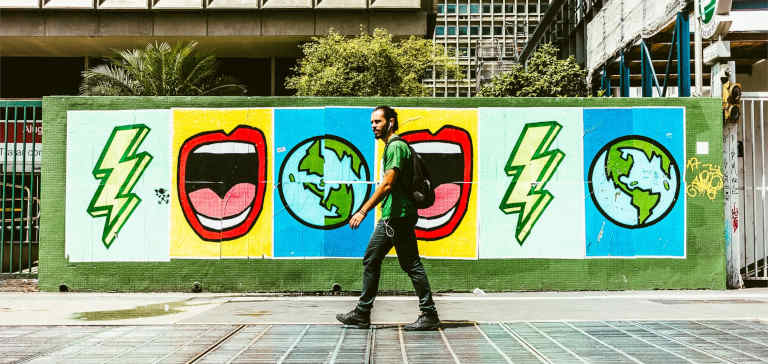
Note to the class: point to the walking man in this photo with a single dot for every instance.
(398, 218)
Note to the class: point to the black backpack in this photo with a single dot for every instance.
(422, 192)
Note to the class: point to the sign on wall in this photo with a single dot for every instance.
(118, 183)
(221, 199)
(242, 183)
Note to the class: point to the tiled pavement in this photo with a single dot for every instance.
(684, 341)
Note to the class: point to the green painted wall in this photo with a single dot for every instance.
(704, 266)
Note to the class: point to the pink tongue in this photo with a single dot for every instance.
(446, 197)
(238, 198)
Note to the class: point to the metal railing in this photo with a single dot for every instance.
(754, 215)
(20, 156)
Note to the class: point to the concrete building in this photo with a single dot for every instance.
(484, 35)
(45, 44)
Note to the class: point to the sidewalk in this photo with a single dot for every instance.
(203, 308)
(526, 327)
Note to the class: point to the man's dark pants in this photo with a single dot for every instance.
(397, 232)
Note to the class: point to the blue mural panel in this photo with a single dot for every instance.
(323, 177)
(634, 161)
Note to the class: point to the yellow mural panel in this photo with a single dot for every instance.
(446, 140)
(221, 205)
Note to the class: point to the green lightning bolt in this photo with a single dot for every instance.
(531, 165)
(118, 168)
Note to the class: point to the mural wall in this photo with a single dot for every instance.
(277, 183)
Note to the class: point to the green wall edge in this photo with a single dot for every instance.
(704, 267)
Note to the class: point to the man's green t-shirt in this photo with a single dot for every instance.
(397, 204)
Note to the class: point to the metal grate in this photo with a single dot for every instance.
(21, 144)
(712, 341)
(751, 212)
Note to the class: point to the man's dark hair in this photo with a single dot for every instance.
(389, 113)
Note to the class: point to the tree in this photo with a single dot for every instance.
(545, 76)
(368, 65)
(159, 70)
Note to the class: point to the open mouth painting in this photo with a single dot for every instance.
(448, 157)
(222, 181)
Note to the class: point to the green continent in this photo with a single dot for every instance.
(616, 167)
(317, 191)
(343, 197)
(313, 160)
(644, 201)
(341, 149)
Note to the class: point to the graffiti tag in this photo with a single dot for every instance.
(707, 180)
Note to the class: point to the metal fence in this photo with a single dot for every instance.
(754, 209)
(20, 156)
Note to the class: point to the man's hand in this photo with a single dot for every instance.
(381, 191)
(356, 219)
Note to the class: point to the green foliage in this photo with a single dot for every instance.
(546, 76)
(159, 70)
(368, 65)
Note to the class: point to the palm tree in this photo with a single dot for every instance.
(159, 70)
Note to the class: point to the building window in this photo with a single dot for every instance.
(520, 9)
(486, 9)
(486, 30)
(497, 8)
(474, 30)
(532, 8)
(451, 8)
(510, 8)
(497, 31)
(440, 30)
(440, 8)
(463, 9)
(451, 30)
(474, 8)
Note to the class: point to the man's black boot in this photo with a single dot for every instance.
(355, 318)
(426, 321)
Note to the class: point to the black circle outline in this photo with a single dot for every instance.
(280, 180)
(652, 141)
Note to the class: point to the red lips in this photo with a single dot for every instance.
(448, 157)
(222, 182)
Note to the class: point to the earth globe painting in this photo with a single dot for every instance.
(634, 181)
(323, 181)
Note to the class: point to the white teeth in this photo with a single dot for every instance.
(425, 223)
(221, 224)
(436, 148)
(226, 148)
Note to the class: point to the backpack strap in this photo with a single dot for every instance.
(394, 139)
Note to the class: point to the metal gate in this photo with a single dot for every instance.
(752, 209)
(20, 156)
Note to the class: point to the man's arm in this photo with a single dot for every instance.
(390, 176)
